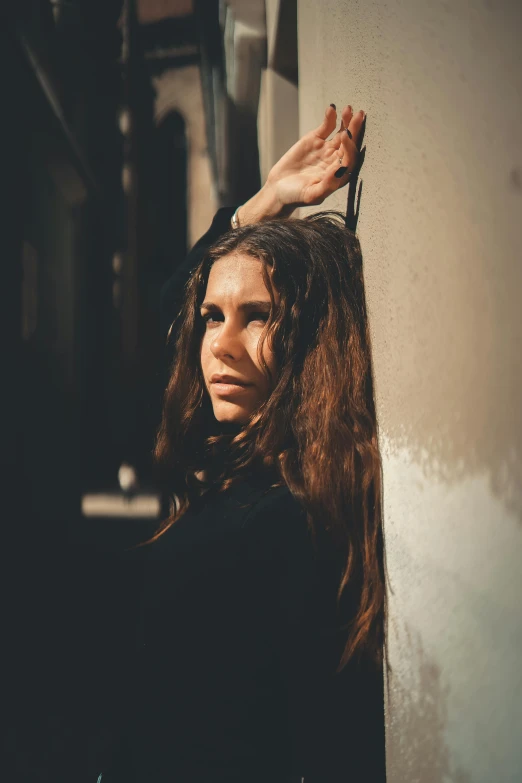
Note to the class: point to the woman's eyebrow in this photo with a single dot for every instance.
(259, 304)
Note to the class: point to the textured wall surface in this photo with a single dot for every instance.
(278, 113)
(441, 231)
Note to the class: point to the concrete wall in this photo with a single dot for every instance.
(441, 231)
(278, 113)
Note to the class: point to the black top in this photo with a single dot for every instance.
(237, 648)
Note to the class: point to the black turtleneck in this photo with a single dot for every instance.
(235, 673)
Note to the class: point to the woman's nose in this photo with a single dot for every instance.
(226, 342)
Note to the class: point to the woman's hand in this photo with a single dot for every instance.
(311, 170)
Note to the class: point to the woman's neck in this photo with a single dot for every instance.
(229, 428)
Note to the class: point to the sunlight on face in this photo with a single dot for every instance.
(235, 309)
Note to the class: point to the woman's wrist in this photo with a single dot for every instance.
(265, 204)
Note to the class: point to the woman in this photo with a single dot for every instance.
(263, 602)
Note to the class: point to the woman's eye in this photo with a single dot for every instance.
(261, 316)
(212, 318)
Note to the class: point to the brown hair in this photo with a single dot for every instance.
(317, 430)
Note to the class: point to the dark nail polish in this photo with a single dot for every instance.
(349, 133)
(333, 106)
(341, 172)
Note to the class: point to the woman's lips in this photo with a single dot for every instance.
(225, 389)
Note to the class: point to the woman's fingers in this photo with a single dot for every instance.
(317, 193)
(350, 139)
(339, 172)
(346, 117)
(335, 141)
(354, 123)
(342, 178)
(347, 150)
(335, 177)
(328, 124)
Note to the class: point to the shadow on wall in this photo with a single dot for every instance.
(416, 749)
(445, 457)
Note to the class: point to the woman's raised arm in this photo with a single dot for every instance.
(314, 168)
(311, 170)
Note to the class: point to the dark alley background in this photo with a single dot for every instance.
(120, 141)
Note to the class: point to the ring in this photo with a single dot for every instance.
(340, 161)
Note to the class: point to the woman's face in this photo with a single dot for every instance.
(235, 309)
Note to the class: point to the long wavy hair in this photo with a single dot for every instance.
(317, 430)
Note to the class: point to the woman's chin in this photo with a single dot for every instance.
(229, 413)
